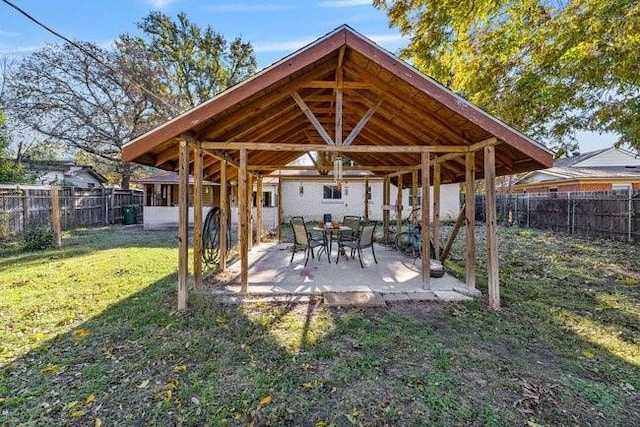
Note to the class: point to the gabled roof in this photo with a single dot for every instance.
(65, 166)
(573, 160)
(385, 102)
(570, 168)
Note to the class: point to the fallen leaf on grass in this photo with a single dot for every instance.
(143, 384)
(77, 414)
(265, 400)
(307, 386)
(51, 369)
(91, 398)
(80, 334)
(97, 422)
(180, 368)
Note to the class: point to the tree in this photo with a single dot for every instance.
(200, 63)
(548, 68)
(70, 98)
(10, 170)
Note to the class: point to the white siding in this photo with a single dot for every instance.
(311, 204)
(612, 157)
(166, 216)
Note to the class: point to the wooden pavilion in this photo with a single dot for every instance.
(341, 95)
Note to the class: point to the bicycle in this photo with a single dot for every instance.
(409, 244)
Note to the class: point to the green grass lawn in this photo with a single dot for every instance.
(89, 336)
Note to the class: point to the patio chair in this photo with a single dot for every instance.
(303, 239)
(364, 240)
(352, 222)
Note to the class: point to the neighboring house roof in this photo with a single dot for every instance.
(66, 167)
(627, 168)
(384, 101)
(167, 178)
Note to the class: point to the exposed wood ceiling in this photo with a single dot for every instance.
(341, 90)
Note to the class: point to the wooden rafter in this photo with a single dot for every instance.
(363, 121)
(312, 118)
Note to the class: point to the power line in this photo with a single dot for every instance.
(90, 55)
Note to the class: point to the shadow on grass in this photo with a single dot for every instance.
(138, 362)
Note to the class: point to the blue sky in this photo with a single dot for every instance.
(274, 27)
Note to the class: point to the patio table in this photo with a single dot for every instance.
(330, 231)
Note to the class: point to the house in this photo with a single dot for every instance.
(65, 173)
(161, 199)
(602, 170)
(312, 196)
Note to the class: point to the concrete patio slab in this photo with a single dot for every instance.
(271, 273)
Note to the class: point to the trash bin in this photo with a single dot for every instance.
(129, 213)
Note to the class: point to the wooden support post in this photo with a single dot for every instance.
(197, 216)
(436, 208)
(183, 224)
(243, 214)
(366, 199)
(25, 209)
(250, 211)
(339, 91)
(279, 210)
(492, 244)
(454, 234)
(224, 215)
(55, 217)
(426, 205)
(470, 220)
(399, 207)
(414, 193)
(386, 200)
(259, 203)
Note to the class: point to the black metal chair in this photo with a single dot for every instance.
(303, 239)
(352, 222)
(363, 241)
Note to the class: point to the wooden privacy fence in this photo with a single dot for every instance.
(611, 215)
(25, 206)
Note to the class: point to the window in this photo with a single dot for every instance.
(418, 199)
(553, 189)
(332, 192)
(267, 199)
(369, 193)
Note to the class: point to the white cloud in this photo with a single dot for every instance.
(160, 4)
(250, 7)
(20, 50)
(344, 3)
(8, 34)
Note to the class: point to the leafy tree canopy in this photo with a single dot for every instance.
(200, 63)
(10, 170)
(547, 67)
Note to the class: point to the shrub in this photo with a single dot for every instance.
(5, 225)
(38, 238)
